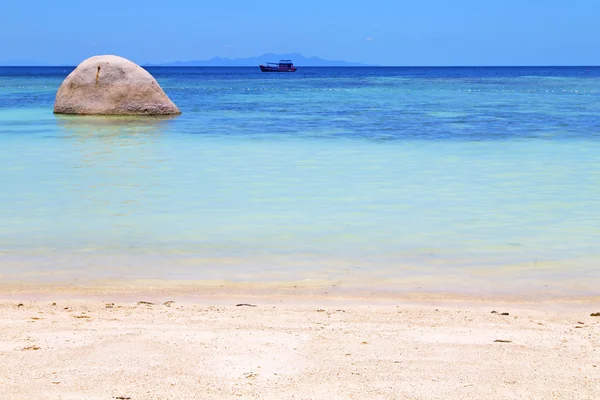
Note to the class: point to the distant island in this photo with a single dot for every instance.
(298, 59)
(22, 63)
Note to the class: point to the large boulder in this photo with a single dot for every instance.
(111, 85)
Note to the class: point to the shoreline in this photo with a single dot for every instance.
(292, 293)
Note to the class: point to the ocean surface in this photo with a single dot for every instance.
(391, 179)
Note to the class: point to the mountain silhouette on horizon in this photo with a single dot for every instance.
(298, 59)
(21, 63)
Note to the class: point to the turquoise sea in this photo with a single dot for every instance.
(392, 179)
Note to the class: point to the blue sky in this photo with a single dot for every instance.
(383, 32)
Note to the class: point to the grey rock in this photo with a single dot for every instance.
(112, 85)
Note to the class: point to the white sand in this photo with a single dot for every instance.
(303, 349)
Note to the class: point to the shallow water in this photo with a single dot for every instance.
(399, 178)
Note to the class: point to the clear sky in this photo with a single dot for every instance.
(383, 32)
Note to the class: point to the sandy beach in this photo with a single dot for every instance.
(167, 346)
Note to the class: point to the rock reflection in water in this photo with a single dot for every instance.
(119, 169)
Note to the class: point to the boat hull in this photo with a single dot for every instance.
(266, 68)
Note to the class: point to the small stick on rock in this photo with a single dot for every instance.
(502, 341)
(245, 305)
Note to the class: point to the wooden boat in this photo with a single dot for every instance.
(281, 66)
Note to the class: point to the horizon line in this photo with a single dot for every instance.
(322, 66)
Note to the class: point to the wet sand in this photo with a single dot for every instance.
(92, 344)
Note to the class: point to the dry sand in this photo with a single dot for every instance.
(110, 347)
